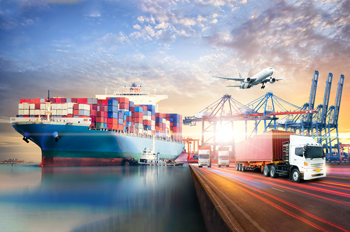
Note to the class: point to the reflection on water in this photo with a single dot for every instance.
(98, 199)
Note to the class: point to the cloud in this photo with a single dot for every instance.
(137, 27)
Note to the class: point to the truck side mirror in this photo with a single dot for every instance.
(299, 151)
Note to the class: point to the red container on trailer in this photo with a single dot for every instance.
(263, 147)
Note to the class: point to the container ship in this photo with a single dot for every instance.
(105, 130)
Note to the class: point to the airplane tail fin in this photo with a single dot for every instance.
(240, 76)
(233, 86)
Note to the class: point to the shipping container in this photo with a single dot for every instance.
(263, 147)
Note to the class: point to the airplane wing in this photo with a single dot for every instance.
(233, 86)
(231, 78)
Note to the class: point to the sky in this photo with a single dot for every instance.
(78, 48)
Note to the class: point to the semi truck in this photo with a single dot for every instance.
(223, 156)
(282, 153)
(204, 156)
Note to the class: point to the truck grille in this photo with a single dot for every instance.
(316, 165)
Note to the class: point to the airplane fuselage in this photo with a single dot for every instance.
(258, 78)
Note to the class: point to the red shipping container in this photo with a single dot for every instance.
(101, 102)
(70, 116)
(74, 100)
(175, 129)
(75, 112)
(21, 101)
(75, 106)
(263, 147)
(94, 107)
(128, 118)
(100, 119)
(31, 101)
(171, 124)
(37, 100)
(147, 122)
(93, 118)
(37, 106)
(104, 108)
(124, 106)
(93, 112)
(63, 100)
(138, 120)
(122, 100)
(138, 115)
(121, 127)
(58, 100)
(167, 116)
(153, 118)
(112, 126)
(112, 120)
(132, 109)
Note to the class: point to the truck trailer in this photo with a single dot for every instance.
(282, 153)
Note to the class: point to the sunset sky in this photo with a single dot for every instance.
(78, 48)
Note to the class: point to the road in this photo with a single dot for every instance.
(259, 203)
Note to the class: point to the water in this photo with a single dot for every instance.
(98, 199)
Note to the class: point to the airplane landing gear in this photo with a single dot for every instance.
(263, 87)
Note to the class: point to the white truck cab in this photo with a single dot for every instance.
(204, 156)
(307, 157)
(223, 157)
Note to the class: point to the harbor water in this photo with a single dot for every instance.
(134, 198)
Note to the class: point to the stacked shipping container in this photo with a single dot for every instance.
(111, 114)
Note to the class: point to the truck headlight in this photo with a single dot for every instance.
(305, 164)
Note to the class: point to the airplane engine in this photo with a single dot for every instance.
(245, 86)
(272, 80)
(247, 79)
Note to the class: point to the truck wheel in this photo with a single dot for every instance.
(266, 171)
(237, 167)
(209, 166)
(219, 166)
(242, 168)
(227, 166)
(273, 173)
(296, 175)
(199, 166)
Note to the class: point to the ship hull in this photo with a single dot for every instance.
(79, 146)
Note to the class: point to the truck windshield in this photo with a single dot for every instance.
(314, 152)
(224, 157)
(204, 156)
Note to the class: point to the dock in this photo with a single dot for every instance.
(231, 200)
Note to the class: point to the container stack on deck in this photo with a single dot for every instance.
(114, 113)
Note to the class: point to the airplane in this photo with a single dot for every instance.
(262, 77)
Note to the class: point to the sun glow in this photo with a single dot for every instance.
(224, 134)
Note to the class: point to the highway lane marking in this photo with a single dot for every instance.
(278, 189)
(235, 205)
(278, 199)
